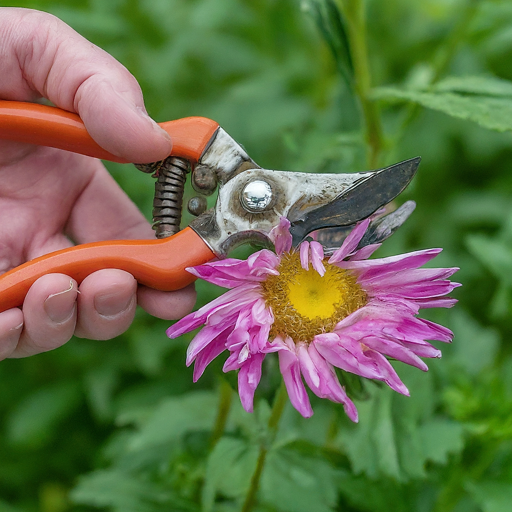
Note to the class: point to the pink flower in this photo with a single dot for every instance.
(346, 312)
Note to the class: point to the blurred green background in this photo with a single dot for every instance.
(316, 86)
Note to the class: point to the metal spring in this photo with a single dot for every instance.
(168, 200)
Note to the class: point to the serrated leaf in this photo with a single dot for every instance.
(120, 492)
(229, 469)
(440, 437)
(490, 110)
(495, 254)
(175, 416)
(492, 496)
(475, 346)
(32, 422)
(371, 445)
(386, 443)
(292, 482)
(478, 85)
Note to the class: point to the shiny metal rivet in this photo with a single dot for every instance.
(197, 205)
(256, 196)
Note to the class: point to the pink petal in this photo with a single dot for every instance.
(231, 273)
(364, 253)
(260, 313)
(280, 236)
(321, 378)
(346, 354)
(422, 349)
(205, 336)
(439, 332)
(248, 379)
(428, 290)
(290, 369)
(370, 269)
(407, 277)
(232, 362)
(263, 262)
(208, 354)
(350, 243)
(304, 255)
(233, 298)
(436, 303)
(389, 376)
(395, 350)
(317, 256)
(394, 324)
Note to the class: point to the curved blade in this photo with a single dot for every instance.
(359, 201)
(379, 230)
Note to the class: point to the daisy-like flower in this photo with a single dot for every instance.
(346, 311)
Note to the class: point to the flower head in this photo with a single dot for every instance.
(318, 313)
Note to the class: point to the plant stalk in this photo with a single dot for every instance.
(354, 12)
(273, 424)
(225, 400)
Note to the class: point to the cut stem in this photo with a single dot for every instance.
(273, 424)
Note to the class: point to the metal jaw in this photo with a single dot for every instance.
(251, 200)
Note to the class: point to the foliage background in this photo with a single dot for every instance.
(119, 424)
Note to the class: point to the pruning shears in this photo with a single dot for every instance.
(250, 202)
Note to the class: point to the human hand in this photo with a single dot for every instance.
(50, 199)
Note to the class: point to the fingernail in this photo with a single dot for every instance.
(61, 306)
(142, 112)
(111, 304)
(18, 327)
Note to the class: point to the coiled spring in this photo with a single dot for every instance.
(171, 175)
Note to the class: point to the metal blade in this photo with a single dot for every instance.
(379, 230)
(358, 202)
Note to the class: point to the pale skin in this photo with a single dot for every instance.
(51, 199)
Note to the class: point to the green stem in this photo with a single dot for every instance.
(225, 400)
(273, 424)
(354, 11)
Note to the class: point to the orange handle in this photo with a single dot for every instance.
(158, 264)
(50, 126)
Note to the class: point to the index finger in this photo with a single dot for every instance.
(45, 57)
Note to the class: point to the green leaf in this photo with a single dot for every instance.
(391, 439)
(492, 496)
(331, 25)
(293, 482)
(441, 437)
(489, 104)
(374, 495)
(120, 492)
(477, 85)
(228, 470)
(495, 254)
(100, 383)
(175, 416)
(32, 423)
(475, 347)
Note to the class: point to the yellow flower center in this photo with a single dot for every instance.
(304, 303)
